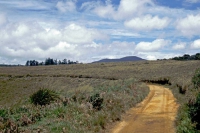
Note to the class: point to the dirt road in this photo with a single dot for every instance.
(156, 114)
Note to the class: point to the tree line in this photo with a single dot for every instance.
(49, 61)
(187, 57)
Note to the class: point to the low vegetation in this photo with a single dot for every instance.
(91, 95)
(79, 111)
(188, 115)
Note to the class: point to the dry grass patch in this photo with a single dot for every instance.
(79, 111)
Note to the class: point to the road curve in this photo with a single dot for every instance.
(156, 114)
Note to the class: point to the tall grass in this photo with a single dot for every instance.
(79, 111)
(188, 114)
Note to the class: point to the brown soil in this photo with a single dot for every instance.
(156, 114)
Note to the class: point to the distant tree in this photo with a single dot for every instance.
(49, 61)
(64, 61)
(186, 57)
(197, 56)
(28, 63)
(59, 62)
(36, 63)
(41, 63)
(55, 62)
(192, 57)
(32, 63)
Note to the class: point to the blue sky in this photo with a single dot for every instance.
(89, 30)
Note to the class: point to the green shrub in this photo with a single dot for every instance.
(59, 112)
(196, 79)
(184, 123)
(3, 113)
(194, 111)
(100, 120)
(43, 97)
(96, 101)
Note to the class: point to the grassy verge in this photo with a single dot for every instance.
(187, 120)
(77, 111)
(183, 120)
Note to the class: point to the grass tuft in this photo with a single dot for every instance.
(43, 97)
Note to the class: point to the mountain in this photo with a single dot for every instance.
(128, 58)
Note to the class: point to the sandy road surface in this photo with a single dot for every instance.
(156, 114)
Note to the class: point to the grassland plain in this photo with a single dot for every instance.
(18, 83)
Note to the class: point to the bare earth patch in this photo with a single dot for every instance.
(156, 114)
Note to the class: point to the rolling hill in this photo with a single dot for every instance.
(128, 58)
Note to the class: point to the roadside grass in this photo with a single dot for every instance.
(188, 97)
(76, 112)
(183, 122)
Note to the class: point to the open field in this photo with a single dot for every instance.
(18, 83)
(177, 71)
(22, 81)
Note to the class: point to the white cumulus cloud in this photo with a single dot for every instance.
(156, 55)
(179, 46)
(31, 41)
(81, 35)
(128, 8)
(151, 57)
(196, 44)
(105, 11)
(68, 6)
(147, 23)
(189, 26)
(151, 46)
(125, 10)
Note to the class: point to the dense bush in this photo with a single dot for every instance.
(43, 97)
(194, 111)
(184, 123)
(196, 79)
(188, 117)
(192, 108)
(96, 101)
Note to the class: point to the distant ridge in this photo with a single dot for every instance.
(128, 58)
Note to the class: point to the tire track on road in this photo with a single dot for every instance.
(155, 114)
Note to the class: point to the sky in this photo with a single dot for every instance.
(90, 30)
